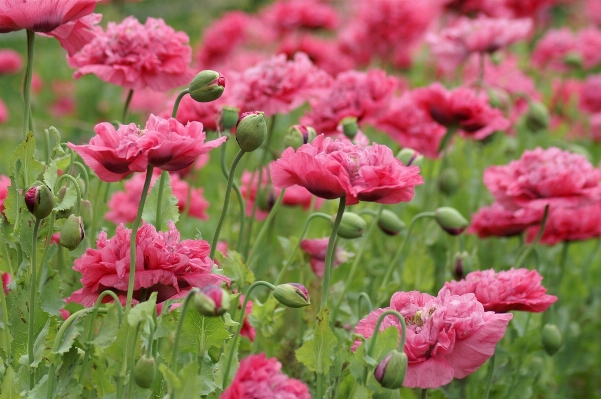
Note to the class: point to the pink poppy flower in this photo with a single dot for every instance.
(278, 86)
(589, 47)
(552, 48)
(317, 249)
(453, 45)
(595, 127)
(565, 224)
(247, 330)
(513, 289)
(74, 35)
(544, 177)
(292, 15)
(461, 108)
(4, 184)
(164, 264)
(123, 205)
(331, 169)
(6, 279)
(364, 95)
(590, 101)
(496, 221)
(3, 112)
(206, 113)
(261, 378)
(10, 62)
(448, 336)
(148, 101)
(593, 11)
(566, 94)
(137, 56)
(42, 15)
(324, 53)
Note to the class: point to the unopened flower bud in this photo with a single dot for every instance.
(552, 339)
(494, 98)
(265, 199)
(64, 213)
(298, 135)
(229, 117)
(39, 200)
(462, 264)
(251, 130)
(293, 295)
(450, 220)
(72, 233)
(144, 372)
(207, 86)
(448, 183)
(410, 157)
(390, 223)
(86, 212)
(351, 226)
(537, 117)
(212, 301)
(573, 59)
(349, 126)
(390, 372)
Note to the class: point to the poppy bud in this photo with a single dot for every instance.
(448, 183)
(462, 264)
(144, 371)
(351, 225)
(85, 210)
(212, 301)
(72, 232)
(552, 339)
(349, 126)
(39, 200)
(537, 117)
(450, 220)
(292, 295)
(298, 135)
(573, 59)
(390, 372)
(410, 157)
(494, 98)
(65, 213)
(207, 86)
(251, 130)
(390, 223)
(229, 117)
(265, 199)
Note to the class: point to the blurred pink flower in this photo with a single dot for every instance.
(3, 112)
(74, 35)
(137, 56)
(552, 48)
(293, 15)
(589, 47)
(324, 53)
(566, 95)
(164, 264)
(41, 15)
(206, 113)
(514, 289)
(10, 62)
(593, 11)
(6, 279)
(262, 378)
(147, 101)
(317, 248)
(123, 205)
(497, 221)
(590, 100)
(448, 336)
(247, 330)
(595, 127)
(4, 184)
(566, 224)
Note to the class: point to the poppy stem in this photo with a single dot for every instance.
(490, 374)
(130, 94)
(157, 220)
(238, 195)
(177, 101)
(527, 250)
(424, 393)
(265, 226)
(32, 291)
(27, 83)
(363, 295)
(330, 254)
(178, 333)
(372, 344)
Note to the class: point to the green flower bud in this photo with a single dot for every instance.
(251, 130)
(410, 157)
(537, 117)
(390, 223)
(391, 371)
(229, 117)
(212, 301)
(72, 233)
(349, 126)
(573, 59)
(298, 135)
(39, 200)
(351, 225)
(207, 86)
(494, 98)
(552, 339)
(86, 212)
(144, 371)
(448, 183)
(450, 220)
(578, 149)
(65, 213)
(462, 264)
(292, 295)
(265, 199)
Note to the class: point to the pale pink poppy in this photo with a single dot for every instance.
(496, 221)
(10, 62)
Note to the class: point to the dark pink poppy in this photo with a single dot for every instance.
(247, 330)
(3, 112)
(496, 221)
(292, 15)
(4, 184)
(74, 35)
(567, 224)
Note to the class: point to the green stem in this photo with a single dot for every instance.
(86, 177)
(132, 363)
(7, 337)
(367, 299)
(325, 216)
(32, 291)
(238, 195)
(44, 262)
(265, 226)
(374, 337)
(27, 84)
(130, 94)
(424, 393)
(132, 243)
(157, 220)
(177, 101)
(529, 248)
(180, 326)
(77, 189)
(562, 262)
(330, 253)
(490, 374)
(230, 182)
(226, 372)
(46, 147)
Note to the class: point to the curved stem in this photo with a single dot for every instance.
(177, 101)
(86, 177)
(226, 201)
(490, 374)
(132, 243)
(265, 226)
(76, 184)
(32, 291)
(226, 372)
(527, 250)
(401, 346)
(157, 220)
(27, 83)
(366, 298)
(325, 216)
(130, 94)
(238, 195)
(330, 254)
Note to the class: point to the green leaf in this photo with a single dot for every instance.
(108, 328)
(10, 385)
(169, 209)
(50, 296)
(229, 322)
(68, 201)
(221, 365)
(363, 365)
(199, 333)
(206, 376)
(11, 205)
(316, 352)
(67, 375)
(73, 331)
(190, 382)
(142, 311)
(234, 267)
(24, 167)
(173, 382)
(51, 175)
(350, 388)
(266, 316)
(115, 351)
(100, 380)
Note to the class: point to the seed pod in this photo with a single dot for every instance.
(552, 339)
(72, 233)
(351, 225)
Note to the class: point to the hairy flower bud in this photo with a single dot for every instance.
(292, 295)
(251, 130)
(390, 372)
(298, 135)
(39, 200)
(212, 301)
(349, 126)
(537, 117)
(410, 157)
(72, 233)
(448, 183)
(207, 86)
(229, 117)
(390, 223)
(144, 372)
(552, 339)
(351, 225)
(450, 220)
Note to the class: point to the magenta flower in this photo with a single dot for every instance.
(497, 221)
(325, 53)
(41, 15)
(317, 248)
(247, 330)
(6, 279)
(590, 100)
(10, 62)
(74, 35)
(164, 264)
(206, 113)
(262, 378)
(513, 289)
(566, 224)
(137, 56)
(448, 336)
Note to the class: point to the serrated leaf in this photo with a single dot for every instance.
(11, 208)
(234, 267)
(221, 365)
(227, 318)
(68, 201)
(190, 382)
(10, 385)
(50, 296)
(173, 382)
(169, 210)
(206, 376)
(142, 311)
(108, 328)
(51, 175)
(24, 167)
(316, 352)
(73, 331)
(265, 316)
(350, 388)
(199, 333)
